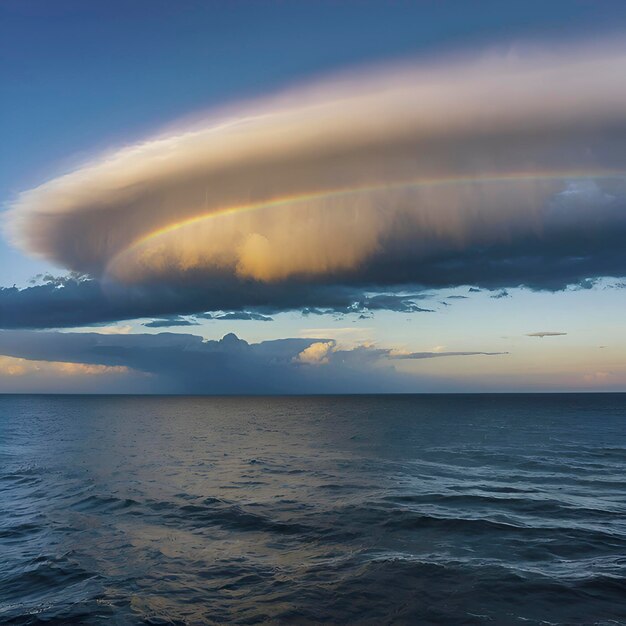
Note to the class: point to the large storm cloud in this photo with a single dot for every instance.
(497, 170)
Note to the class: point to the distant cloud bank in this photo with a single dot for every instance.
(181, 363)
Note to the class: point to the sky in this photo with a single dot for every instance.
(312, 197)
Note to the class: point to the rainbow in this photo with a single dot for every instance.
(345, 192)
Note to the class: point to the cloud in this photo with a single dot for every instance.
(316, 354)
(72, 301)
(236, 315)
(10, 366)
(183, 363)
(603, 378)
(492, 170)
(116, 329)
(501, 294)
(19, 375)
(545, 334)
(435, 354)
(167, 322)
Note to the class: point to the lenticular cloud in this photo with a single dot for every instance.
(495, 169)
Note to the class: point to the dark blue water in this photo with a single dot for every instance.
(367, 510)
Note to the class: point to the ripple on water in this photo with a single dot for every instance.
(421, 509)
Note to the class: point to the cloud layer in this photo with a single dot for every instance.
(180, 363)
(495, 170)
(76, 301)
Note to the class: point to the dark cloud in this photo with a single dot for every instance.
(235, 315)
(501, 294)
(390, 302)
(79, 301)
(545, 334)
(167, 322)
(182, 363)
(227, 316)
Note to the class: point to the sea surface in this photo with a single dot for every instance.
(426, 509)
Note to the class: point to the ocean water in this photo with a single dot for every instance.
(497, 509)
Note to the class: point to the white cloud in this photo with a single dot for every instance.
(316, 353)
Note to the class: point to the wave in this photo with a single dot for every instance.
(185, 514)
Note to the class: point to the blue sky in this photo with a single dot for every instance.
(81, 79)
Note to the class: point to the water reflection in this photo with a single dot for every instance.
(200, 510)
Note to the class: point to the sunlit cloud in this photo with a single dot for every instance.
(116, 329)
(316, 354)
(13, 367)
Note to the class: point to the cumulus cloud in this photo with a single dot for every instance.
(493, 170)
(316, 354)
(182, 363)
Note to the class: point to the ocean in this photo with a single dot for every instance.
(425, 509)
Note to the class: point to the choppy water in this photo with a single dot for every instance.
(406, 509)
